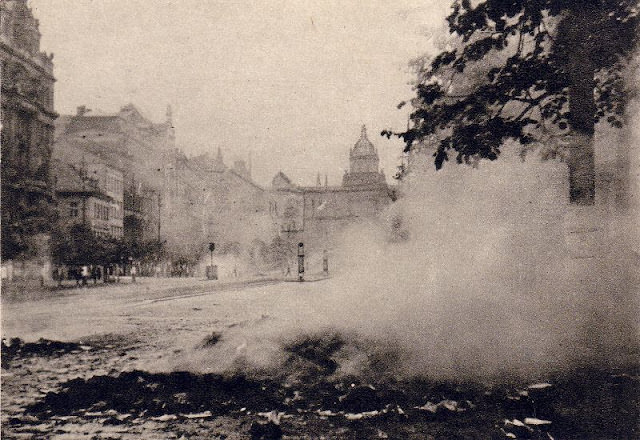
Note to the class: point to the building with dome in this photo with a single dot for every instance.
(364, 164)
(317, 214)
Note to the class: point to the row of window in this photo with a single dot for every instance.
(100, 211)
(114, 185)
(107, 232)
(101, 234)
(74, 210)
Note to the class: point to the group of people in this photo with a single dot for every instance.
(83, 273)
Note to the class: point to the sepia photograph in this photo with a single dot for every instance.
(337, 219)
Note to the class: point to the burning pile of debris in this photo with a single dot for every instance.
(312, 398)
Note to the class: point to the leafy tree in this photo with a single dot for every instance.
(79, 245)
(280, 252)
(547, 68)
(22, 218)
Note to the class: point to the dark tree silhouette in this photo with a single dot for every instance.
(552, 66)
(78, 245)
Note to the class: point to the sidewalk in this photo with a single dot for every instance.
(308, 278)
(145, 287)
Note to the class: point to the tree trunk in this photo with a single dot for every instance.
(582, 107)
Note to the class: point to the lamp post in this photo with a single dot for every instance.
(325, 262)
(211, 270)
(300, 261)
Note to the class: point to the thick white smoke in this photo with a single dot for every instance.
(481, 272)
(485, 284)
(476, 280)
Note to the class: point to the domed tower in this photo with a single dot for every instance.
(364, 161)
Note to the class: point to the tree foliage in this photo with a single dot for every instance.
(78, 245)
(549, 68)
(21, 222)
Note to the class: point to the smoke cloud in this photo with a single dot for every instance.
(468, 275)
(474, 273)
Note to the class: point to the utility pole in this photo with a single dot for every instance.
(159, 213)
(83, 177)
(212, 272)
(300, 261)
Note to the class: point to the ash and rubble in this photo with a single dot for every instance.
(87, 388)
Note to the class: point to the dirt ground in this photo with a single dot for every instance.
(104, 363)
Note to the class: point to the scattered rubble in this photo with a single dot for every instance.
(211, 340)
(94, 393)
(43, 347)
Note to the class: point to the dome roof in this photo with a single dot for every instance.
(363, 147)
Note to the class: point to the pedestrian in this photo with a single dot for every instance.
(325, 263)
(288, 273)
(43, 274)
(94, 274)
(77, 274)
(60, 275)
(134, 271)
(84, 274)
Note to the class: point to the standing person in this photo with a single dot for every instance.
(134, 271)
(84, 274)
(94, 274)
(77, 274)
(60, 275)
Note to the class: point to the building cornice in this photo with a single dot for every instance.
(26, 104)
(44, 69)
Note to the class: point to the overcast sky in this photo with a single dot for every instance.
(292, 81)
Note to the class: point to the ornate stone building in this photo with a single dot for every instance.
(364, 163)
(89, 196)
(27, 120)
(317, 214)
(183, 202)
(125, 141)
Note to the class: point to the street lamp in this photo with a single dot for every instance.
(211, 269)
(325, 262)
(300, 261)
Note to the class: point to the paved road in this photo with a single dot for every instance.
(163, 326)
(165, 316)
